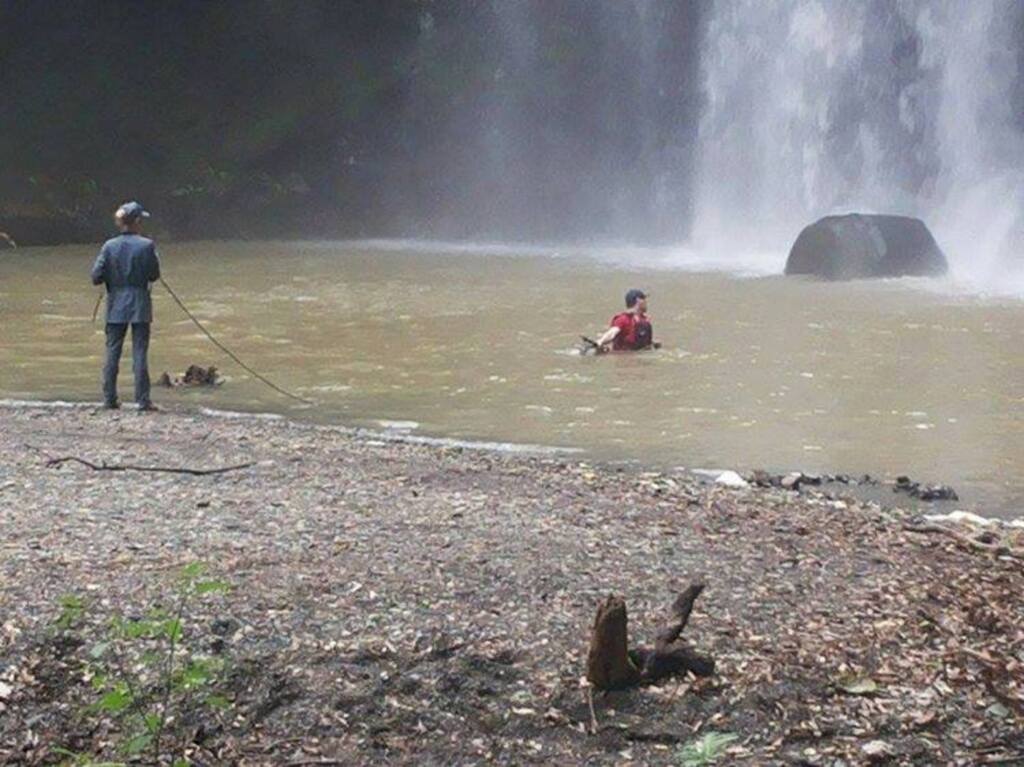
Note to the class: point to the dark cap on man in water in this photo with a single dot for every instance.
(632, 296)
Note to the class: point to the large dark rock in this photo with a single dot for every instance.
(859, 246)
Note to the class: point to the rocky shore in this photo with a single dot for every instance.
(396, 603)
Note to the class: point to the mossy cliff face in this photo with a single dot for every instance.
(277, 118)
(229, 120)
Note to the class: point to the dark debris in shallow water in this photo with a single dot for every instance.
(924, 492)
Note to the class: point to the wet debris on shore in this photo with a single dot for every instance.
(415, 604)
(794, 480)
(924, 492)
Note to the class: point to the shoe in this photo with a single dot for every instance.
(115, 405)
(148, 407)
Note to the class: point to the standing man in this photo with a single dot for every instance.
(127, 265)
(630, 330)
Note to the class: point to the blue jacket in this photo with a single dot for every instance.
(127, 264)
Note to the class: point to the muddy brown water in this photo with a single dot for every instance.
(897, 377)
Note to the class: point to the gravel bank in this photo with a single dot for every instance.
(418, 604)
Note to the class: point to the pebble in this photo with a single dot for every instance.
(730, 479)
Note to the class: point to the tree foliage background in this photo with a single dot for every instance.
(322, 118)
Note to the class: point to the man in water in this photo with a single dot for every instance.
(630, 330)
(127, 265)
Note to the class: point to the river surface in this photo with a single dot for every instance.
(887, 378)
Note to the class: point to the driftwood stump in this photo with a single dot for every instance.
(609, 666)
(612, 666)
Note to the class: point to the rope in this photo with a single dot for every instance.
(228, 352)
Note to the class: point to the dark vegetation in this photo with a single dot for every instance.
(273, 118)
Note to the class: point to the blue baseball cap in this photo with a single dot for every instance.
(632, 296)
(130, 211)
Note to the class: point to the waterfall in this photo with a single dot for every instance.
(822, 106)
(571, 120)
(978, 201)
(721, 129)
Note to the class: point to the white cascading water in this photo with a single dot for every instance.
(822, 106)
(978, 203)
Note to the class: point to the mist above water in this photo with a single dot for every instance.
(722, 131)
(560, 121)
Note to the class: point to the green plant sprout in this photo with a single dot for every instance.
(144, 673)
(705, 750)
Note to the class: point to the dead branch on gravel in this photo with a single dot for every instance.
(967, 542)
(995, 672)
(53, 462)
(612, 666)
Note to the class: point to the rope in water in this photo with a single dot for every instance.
(228, 352)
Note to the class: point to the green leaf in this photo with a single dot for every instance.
(195, 674)
(218, 702)
(192, 571)
(209, 587)
(72, 609)
(97, 650)
(83, 760)
(115, 701)
(705, 750)
(172, 629)
(140, 629)
(153, 722)
(137, 744)
(180, 763)
(71, 601)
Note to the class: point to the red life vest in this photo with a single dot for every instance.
(635, 332)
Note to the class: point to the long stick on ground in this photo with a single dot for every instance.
(129, 467)
(228, 352)
(594, 726)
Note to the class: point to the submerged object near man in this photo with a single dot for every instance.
(860, 246)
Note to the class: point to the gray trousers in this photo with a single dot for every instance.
(140, 366)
